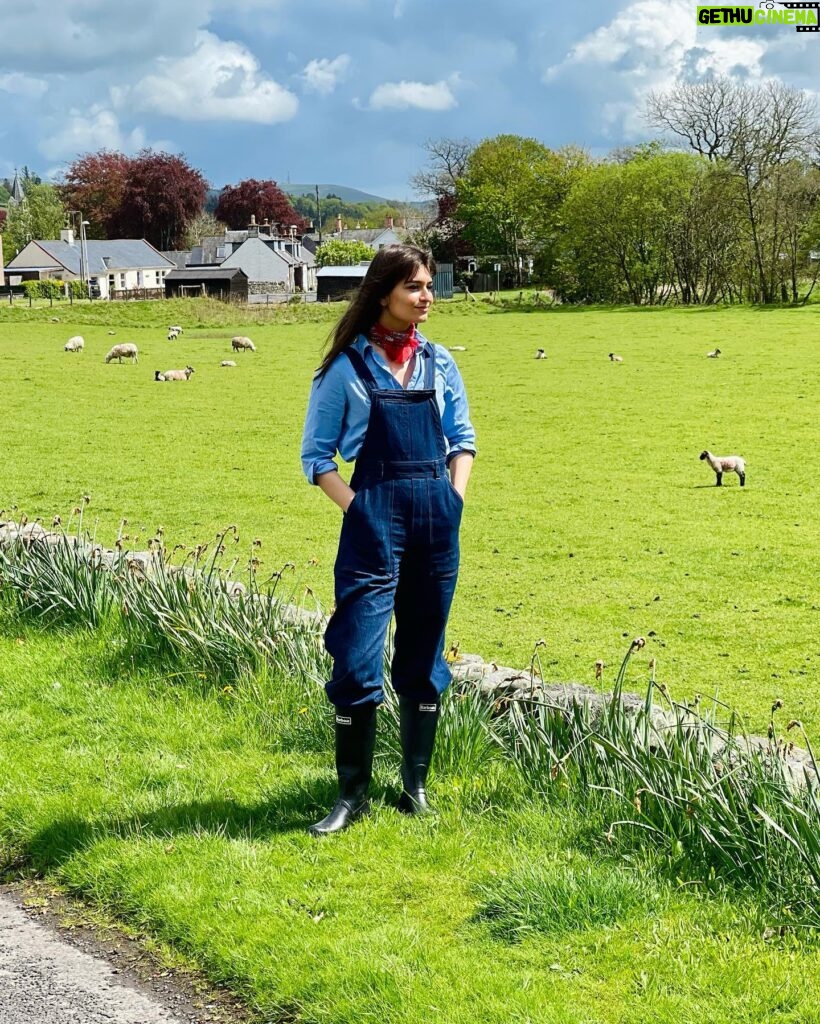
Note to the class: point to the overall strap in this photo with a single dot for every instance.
(361, 368)
(430, 368)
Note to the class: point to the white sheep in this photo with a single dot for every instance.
(713, 355)
(458, 348)
(75, 344)
(227, 362)
(174, 333)
(175, 329)
(540, 354)
(615, 359)
(242, 344)
(127, 350)
(725, 464)
(112, 332)
(174, 374)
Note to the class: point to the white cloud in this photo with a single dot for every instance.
(648, 46)
(83, 131)
(401, 95)
(219, 81)
(23, 85)
(323, 75)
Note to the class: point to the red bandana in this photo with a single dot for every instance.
(398, 346)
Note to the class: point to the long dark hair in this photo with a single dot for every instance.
(391, 265)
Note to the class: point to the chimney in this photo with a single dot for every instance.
(67, 236)
(338, 223)
(265, 228)
(253, 227)
(388, 222)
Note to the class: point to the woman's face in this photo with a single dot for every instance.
(409, 302)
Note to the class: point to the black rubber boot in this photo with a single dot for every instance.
(355, 739)
(418, 721)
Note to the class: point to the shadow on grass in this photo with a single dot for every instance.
(291, 809)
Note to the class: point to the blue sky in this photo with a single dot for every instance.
(347, 91)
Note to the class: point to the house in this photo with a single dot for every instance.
(226, 283)
(114, 268)
(376, 238)
(272, 262)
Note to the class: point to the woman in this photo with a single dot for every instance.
(394, 402)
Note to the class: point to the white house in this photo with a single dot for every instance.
(118, 266)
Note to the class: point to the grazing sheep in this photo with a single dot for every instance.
(75, 344)
(112, 332)
(540, 354)
(615, 359)
(227, 362)
(127, 350)
(725, 464)
(174, 333)
(175, 328)
(174, 374)
(242, 344)
(458, 348)
(713, 355)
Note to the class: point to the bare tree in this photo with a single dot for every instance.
(446, 163)
(755, 130)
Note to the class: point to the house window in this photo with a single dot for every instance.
(122, 281)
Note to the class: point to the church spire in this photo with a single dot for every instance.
(17, 193)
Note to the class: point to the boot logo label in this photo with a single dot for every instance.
(343, 720)
(428, 707)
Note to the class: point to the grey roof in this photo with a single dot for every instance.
(358, 271)
(119, 254)
(17, 194)
(205, 274)
(178, 256)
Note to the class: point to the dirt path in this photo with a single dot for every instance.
(54, 972)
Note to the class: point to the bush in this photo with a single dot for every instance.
(49, 289)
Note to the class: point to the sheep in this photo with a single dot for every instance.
(175, 328)
(112, 332)
(725, 464)
(174, 333)
(174, 374)
(75, 344)
(458, 348)
(713, 355)
(127, 350)
(227, 362)
(242, 344)
(615, 359)
(540, 354)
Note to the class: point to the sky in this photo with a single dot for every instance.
(347, 91)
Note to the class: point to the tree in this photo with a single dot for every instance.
(756, 130)
(40, 215)
(95, 184)
(203, 224)
(161, 196)
(263, 200)
(510, 197)
(337, 253)
(443, 233)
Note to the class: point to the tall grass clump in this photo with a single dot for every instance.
(61, 581)
(707, 803)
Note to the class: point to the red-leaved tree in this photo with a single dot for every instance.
(162, 194)
(262, 199)
(95, 184)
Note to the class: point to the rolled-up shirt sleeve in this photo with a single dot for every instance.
(455, 418)
(323, 425)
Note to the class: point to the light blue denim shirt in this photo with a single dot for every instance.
(339, 406)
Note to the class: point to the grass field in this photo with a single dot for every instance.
(589, 517)
(181, 806)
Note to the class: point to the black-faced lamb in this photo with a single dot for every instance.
(725, 464)
(615, 359)
(714, 354)
(242, 344)
(75, 344)
(126, 350)
(174, 374)
(540, 354)
(174, 333)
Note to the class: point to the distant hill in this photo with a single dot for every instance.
(344, 192)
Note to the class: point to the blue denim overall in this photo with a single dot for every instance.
(398, 549)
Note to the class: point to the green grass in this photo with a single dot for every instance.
(589, 517)
(167, 805)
